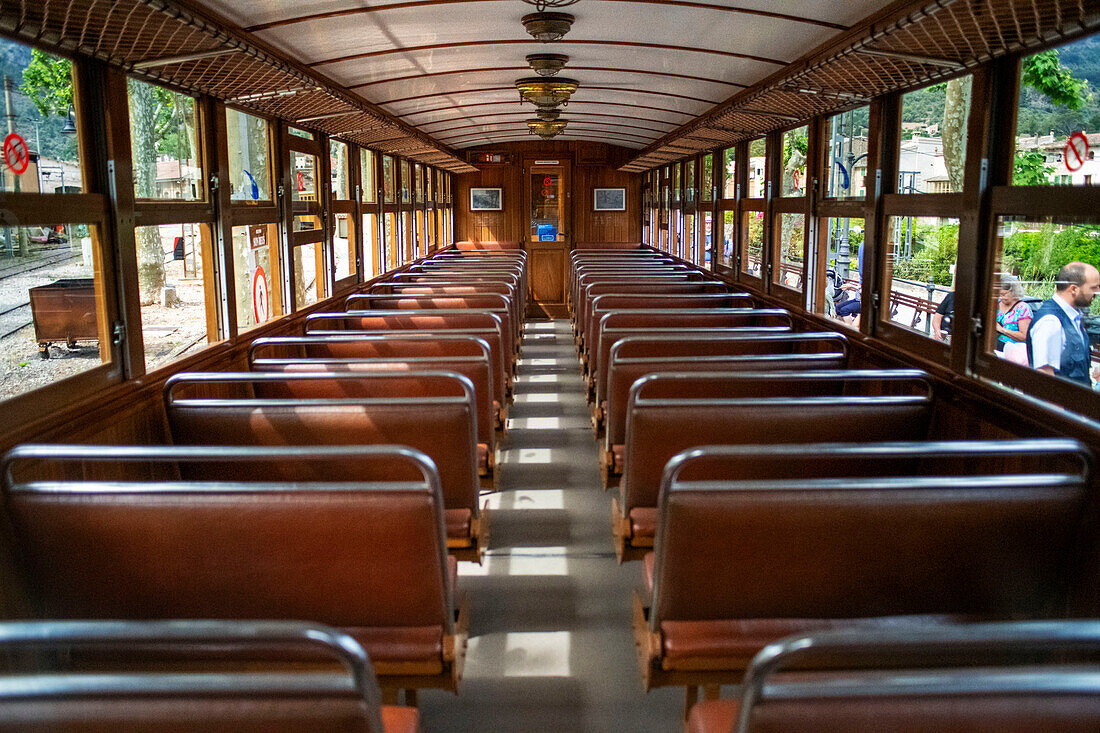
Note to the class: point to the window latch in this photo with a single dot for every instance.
(118, 333)
(214, 183)
(976, 327)
(279, 190)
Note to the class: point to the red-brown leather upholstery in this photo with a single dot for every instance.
(492, 302)
(1010, 713)
(668, 413)
(432, 412)
(614, 325)
(600, 304)
(794, 538)
(468, 322)
(594, 290)
(465, 355)
(368, 560)
(633, 357)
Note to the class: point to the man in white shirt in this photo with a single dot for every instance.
(1057, 343)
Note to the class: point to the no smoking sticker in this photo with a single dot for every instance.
(260, 301)
(1075, 153)
(16, 155)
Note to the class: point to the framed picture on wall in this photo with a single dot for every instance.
(610, 199)
(486, 199)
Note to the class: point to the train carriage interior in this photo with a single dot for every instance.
(550, 365)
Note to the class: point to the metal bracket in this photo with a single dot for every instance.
(279, 190)
(976, 326)
(118, 333)
(213, 182)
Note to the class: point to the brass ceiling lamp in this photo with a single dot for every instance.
(542, 5)
(547, 129)
(548, 113)
(546, 92)
(547, 64)
(548, 27)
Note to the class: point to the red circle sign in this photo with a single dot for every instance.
(16, 155)
(1075, 153)
(260, 302)
(547, 181)
(301, 181)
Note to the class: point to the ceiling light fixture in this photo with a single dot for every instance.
(542, 5)
(546, 92)
(547, 129)
(547, 27)
(548, 113)
(547, 64)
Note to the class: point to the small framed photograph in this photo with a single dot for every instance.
(610, 199)
(486, 199)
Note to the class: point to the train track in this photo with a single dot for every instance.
(24, 321)
(6, 272)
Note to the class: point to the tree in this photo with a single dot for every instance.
(150, 249)
(48, 83)
(1029, 169)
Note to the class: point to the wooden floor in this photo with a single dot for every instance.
(550, 640)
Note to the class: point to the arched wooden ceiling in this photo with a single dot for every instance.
(448, 67)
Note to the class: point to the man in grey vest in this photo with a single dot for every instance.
(1057, 342)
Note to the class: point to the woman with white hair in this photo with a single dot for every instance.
(1013, 317)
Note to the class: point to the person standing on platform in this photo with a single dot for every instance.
(1057, 343)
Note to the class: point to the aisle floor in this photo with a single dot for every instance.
(551, 647)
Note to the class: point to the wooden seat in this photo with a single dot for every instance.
(617, 324)
(347, 536)
(466, 355)
(671, 412)
(758, 542)
(483, 324)
(595, 289)
(132, 692)
(492, 302)
(597, 305)
(635, 357)
(1041, 677)
(433, 412)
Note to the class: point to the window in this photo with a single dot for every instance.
(706, 178)
(179, 304)
(757, 168)
(309, 286)
(689, 182)
(41, 98)
(372, 254)
(368, 193)
(406, 183)
(752, 210)
(338, 169)
(842, 288)
(297, 132)
(790, 267)
(53, 321)
(920, 255)
(256, 272)
(753, 243)
(933, 138)
(164, 134)
(1033, 264)
(248, 142)
(343, 245)
(729, 187)
(1058, 117)
(389, 179)
(304, 186)
(795, 150)
(846, 154)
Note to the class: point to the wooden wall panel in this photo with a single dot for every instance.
(594, 165)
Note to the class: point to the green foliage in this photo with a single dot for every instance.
(935, 249)
(1035, 252)
(1045, 73)
(48, 83)
(795, 140)
(1029, 169)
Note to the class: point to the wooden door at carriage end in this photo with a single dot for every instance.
(547, 234)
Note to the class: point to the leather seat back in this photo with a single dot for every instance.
(634, 357)
(430, 411)
(671, 412)
(909, 533)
